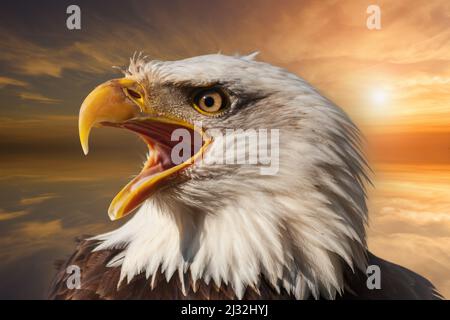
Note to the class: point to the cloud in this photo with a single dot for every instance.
(37, 97)
(37, 121)
(37, 199)
(40, 230)
(410, 220)
(33, 236)
(4, 216)
(310, 38)
(25, 57)
(6, 81)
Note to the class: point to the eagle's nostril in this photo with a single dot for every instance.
(133, 93)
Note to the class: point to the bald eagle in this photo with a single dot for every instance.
(223, 230)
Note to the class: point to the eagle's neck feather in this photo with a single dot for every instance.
(236, 248)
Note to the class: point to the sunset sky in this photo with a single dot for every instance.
(393, 82)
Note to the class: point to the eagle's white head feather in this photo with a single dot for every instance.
(299, 228)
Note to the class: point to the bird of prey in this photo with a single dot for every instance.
(223, 230)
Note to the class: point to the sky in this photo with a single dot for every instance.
(393, 82)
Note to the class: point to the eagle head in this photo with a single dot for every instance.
(251, 175)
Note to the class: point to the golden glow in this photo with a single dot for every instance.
(378, 103)
(379, 96)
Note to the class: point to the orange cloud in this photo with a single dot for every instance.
(31, 237)
(410, 219)
(37, 199)
(37, 97)
(7, 81)
(4, 216)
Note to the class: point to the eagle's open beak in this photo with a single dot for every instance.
(121, 103)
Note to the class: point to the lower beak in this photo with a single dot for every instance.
(110, 104)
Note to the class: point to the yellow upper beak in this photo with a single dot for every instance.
(109, 102)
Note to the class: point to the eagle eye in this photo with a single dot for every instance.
(210, 101)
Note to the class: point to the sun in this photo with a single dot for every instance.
(379, 96)
(378, 99)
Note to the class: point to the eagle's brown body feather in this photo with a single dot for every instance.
(99, 282)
